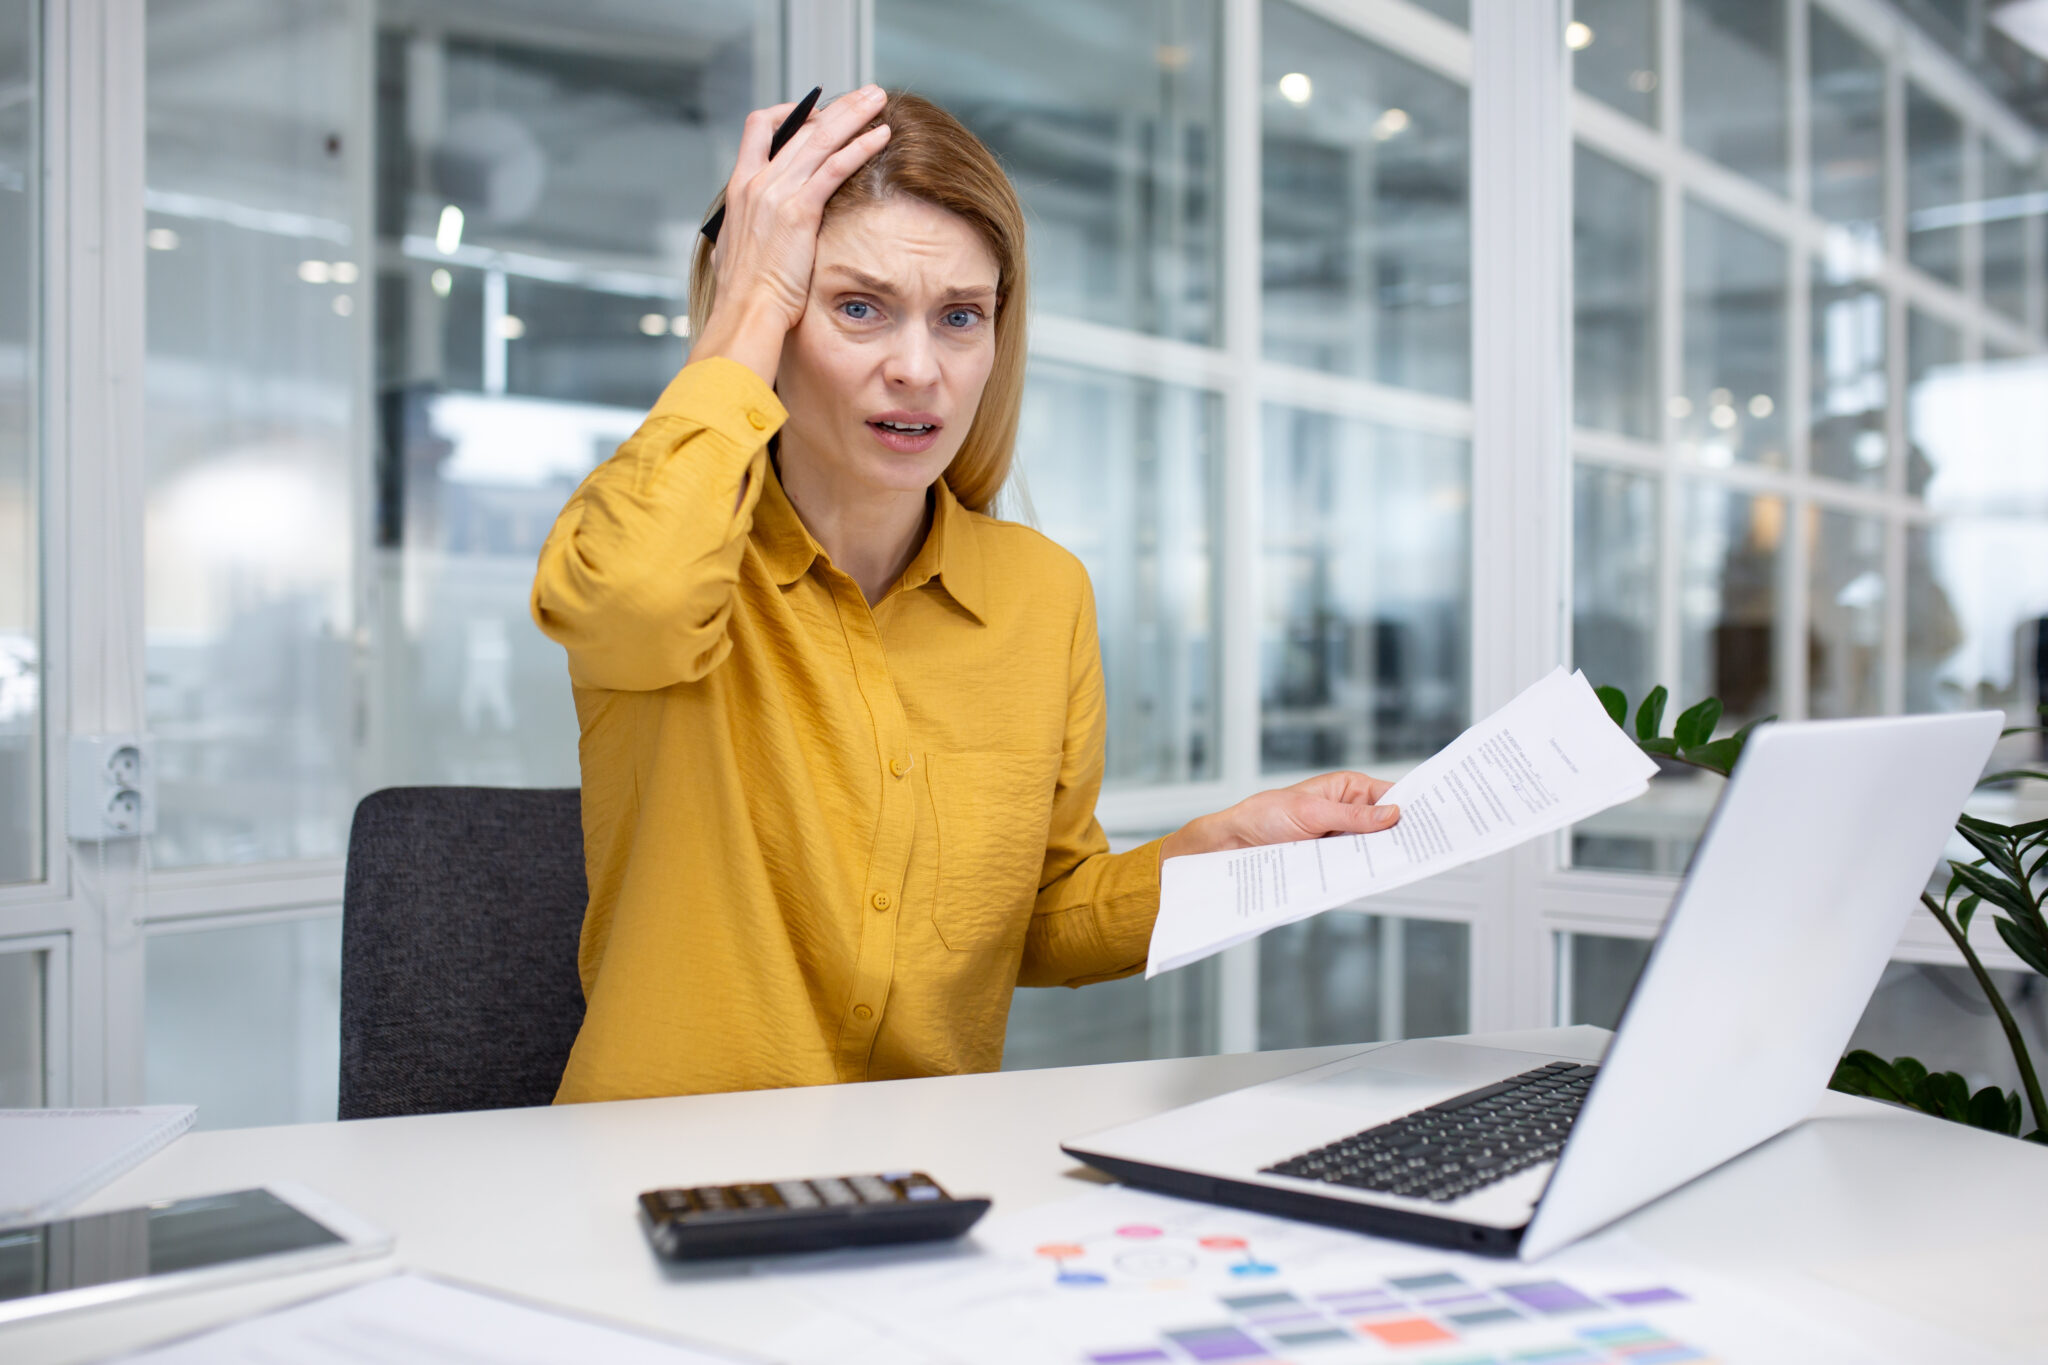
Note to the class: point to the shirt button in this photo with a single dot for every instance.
(880, 900)
(900, 766)
(863, 1013)
(760, 423)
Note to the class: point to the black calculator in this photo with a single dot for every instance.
(779, 1216)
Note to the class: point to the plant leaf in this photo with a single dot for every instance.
(1866, 1073)
(1695, 725)
(1910, 1072)
(1948, 1095)
(1992, 845)
(1988, 1109)
(1616, 702)
(2025, 944)
(1965, 911)
(1660, 745)
(1650, 716)
(1719, 755)
(1997, 890)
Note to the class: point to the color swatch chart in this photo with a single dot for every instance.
(1434, 1308)
(1439, 1309)
(1120, 1277)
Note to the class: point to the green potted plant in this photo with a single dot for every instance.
(2009, 877)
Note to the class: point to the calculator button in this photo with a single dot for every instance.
(834, 1191)
(899, 1176)
(713, 1197)
(922, 1192)
(797, 1195)
(874, 1191)
(752, 1196)
(673, 1200)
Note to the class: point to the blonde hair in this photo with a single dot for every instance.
(932, 157)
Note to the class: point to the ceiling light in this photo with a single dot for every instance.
(448, 234)
(343, 305)
(314, 272)
(1577, 36)
(1297, 88)
(680, 325)
(1761, 405)
(161, 239)
(343, 272)
(442, 282)
(1389, 124)
(653, 324)
(511, 327)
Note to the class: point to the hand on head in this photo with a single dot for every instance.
(773, 210)
(1332, 803)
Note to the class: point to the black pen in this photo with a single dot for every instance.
(775, 144)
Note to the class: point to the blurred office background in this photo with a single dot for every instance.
(405, 270)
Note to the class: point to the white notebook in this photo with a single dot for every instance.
(52, 1158)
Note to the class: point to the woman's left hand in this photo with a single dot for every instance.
(1334, 803)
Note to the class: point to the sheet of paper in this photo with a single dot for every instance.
(1121, 1277)
(52, 1158)
(1550, 757)
(412, 1320)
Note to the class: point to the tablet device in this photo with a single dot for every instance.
(179, 1244)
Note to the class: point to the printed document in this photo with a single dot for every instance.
(1121, 1277)
(1547, 759)
(413, 1320)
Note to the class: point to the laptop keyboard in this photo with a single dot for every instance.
(1448, 1150)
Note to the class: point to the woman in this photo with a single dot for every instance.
(842, 731)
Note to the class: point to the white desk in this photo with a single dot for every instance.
(1929, 1218)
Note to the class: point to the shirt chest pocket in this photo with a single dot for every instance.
(993, 813)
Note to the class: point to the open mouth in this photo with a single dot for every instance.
(907, 433)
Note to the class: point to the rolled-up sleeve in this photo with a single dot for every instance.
(1094, 914)
(636, 579)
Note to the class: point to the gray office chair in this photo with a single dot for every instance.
(460, 918)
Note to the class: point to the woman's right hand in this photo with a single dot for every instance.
(773, 210)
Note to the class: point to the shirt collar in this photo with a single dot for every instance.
(951, 552)
(786, 543)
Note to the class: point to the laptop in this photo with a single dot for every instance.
(1813, 860)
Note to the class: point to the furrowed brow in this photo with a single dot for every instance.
(872, 284)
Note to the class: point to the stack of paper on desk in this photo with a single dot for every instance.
(1547, 759)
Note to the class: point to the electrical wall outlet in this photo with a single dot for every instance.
(113, 786)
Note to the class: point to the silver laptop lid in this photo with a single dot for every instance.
(1800, 888)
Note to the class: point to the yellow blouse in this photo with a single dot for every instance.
(824, 840)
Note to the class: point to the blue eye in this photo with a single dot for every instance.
(856, 309)
(962, 318)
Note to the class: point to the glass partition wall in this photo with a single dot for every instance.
(431, 276)
(1346, 598)
(413, 267)
(1810, 473)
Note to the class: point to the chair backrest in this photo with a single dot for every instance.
(460, 919)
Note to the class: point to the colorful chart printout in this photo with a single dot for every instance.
(1117, 1277)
